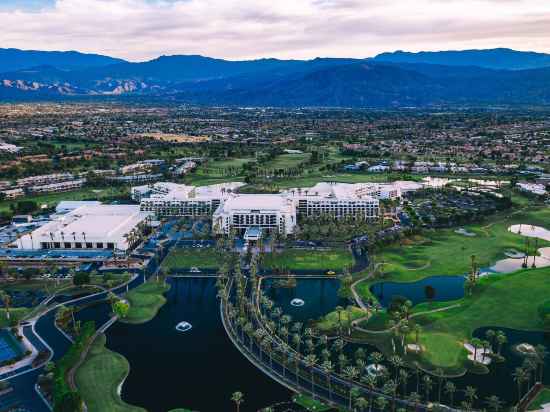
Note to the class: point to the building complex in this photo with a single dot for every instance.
(270, 212)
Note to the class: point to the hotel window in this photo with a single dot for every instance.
(67, 245)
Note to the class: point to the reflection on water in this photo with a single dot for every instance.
(199, 369)
(320, 297)
(437, 288)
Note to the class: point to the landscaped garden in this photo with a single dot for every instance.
(99, 377)
(145, 301)
(205, 258)
(303, 259)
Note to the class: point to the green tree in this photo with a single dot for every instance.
(237, 398)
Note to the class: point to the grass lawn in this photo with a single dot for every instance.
(442, 350)
(99, 377)
(507, 301)
(52, 199)
(310, 404)
(15, 314)
(286, 161)
(330, 321)
(205, 258)
(145, 302)
(542, 399)
(447, 253)
(294, 259)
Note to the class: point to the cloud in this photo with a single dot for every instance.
(235, 29)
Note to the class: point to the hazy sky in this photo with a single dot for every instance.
(236, 29)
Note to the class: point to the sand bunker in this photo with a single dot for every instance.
(531, 231)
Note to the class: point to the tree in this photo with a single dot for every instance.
(81, 278)
(238, 398)
(381, 403)
(351, 374)
(328, 369)
(450, 390)
(121, 308)
(6, 301)
(427, 381)
(494, 403)
(311, 361)
(470, 393)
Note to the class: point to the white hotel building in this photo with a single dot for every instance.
(89, 227)
(269, 212)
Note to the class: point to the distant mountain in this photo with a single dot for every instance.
(15, 59)
(319, 82)
(505, 59)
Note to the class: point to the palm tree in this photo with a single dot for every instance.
(470, 393)
(427, 380)
(501, 340)
(397, 364)
(404, 378)
(542, 354)
(238, 398)
(381, 403)
(450, 390)
(361, 404)
(440, 375)
(328, 369)
(311, 361)
(494, 403)
(390, 389)
(6, 300)
(415, 399)
(351, 374)
(370, 381)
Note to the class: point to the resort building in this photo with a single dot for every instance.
(58, 187)
(112, 227)
(268, 213)
(171, 199)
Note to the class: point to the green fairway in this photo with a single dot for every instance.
(542, 399)
(442, 350)
(145, 302)
(293, 259)
(445, 252)
(286, 161)
(52, 199)
(98, 379)
(331, 322)
(206, 258)
(507, 301)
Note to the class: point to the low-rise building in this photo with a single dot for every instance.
(90, 227)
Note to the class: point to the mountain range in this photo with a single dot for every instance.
(399, 79)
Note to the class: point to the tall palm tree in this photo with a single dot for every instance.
(427, 382)
(494, 403)
(351, 374)
(403, 379)
(440, 377)
(361, 404)
(371, 382)
(328, 369)
(470, 393)
(381, 403)
(541, 354)
(415, 399)
(238, 398)
(450, 390)
(6, 300)
(310, 362)
(501, 341)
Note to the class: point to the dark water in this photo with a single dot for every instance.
(445, 288)
(499, 381)
(199, 369)
(320, 297)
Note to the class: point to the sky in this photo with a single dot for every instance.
(140, 30)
